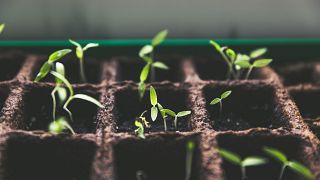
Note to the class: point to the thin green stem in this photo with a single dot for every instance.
(282, 171)
(54, 103)
(243, 172)
(248, 73)
(70, 128)
(65, 107)
(152, 70)
(189, 158)
(175, 122)
(220, 108)
(82, 73)
(165, 124)
(230, 71)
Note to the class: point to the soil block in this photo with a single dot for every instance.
(10, 66)
(3, 96)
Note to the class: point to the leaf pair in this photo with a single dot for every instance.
(256, 64)
(79, 50)
(222, 96)
(176, 115)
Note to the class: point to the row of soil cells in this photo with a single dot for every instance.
(37, 110)
(247, 107)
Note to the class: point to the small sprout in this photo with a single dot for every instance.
(60, 125)
(2, 26)
(189, 157)
(176, 115)
(256, 64)
(146, 54)
(140, 123)
(80, 55)
(219, 100)
(242, 163)
(164, 116)
(46, 67)
(294, 165)
(154, 102)
(141, 175)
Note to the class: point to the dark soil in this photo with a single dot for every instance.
(3, 96)
(10, 66)
(161, 158)
(129, 107)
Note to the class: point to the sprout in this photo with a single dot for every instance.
(242, 163)
(189, 156)
(140, 123)
(73, 96)
(294, 165)
(80, 55)
(219, 100)
(60, 125)
(46, 67)
(236, 62)
(164, 116)
(2, 26)
(176, 115)
(146, 54)
(154, 102)
(141, 175)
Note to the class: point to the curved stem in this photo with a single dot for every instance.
(82, 73)
(243, 172)
(248, 73)
(54, 103)
(70, 128)
(175, 122)
(165, 124)
(220, 109)
(65, 107)
(282, 171)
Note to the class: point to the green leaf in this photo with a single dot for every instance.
(79, 52)
(230, 156)
(225, 94)
(299, 168)
(88, 98)
(58, 55)
(44, 70)
(60, 69)
(159, 38)
(90, 45)
(154, 113)
(64, 80)
(153, 96)
(261, 63)
(276, 154)
(160, 65)
(142, 89)
(147, 49)
(242, 57)
(215, 45)
(243, 63)
(140, 130)
(163, 114)
(147, 59)
(231, 54)
(75, 43)
(62, 94)
(254, 161)
(215, 101)
(59, 125)
(183, 113)
(169, 112)
(2, 26)
(145, 72)
(258, 52)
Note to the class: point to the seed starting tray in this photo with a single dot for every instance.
(260, 112)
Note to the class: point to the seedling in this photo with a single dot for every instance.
(140, 123)
(219, 100)
(80, 55)
(146, 54)
(154, 103)
(60, 125)
(236, 62)
(176, 115)
(242, 163)
(2, 26)
(293, 165)
(189, 158)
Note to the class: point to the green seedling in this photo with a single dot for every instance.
(236, 62)
(164, 116)
(47, 66)
(72, 95)
(154, 103)
(293, 165)
(176, 115)
(189, 158)
(80, 55)
(60, 125)
(146, 54)
(219, 100)
(140, 123)
(242, 163)
(141, 175)
(2, 26)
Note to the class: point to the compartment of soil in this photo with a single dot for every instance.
(30, 157)
(92, 68)
(158, 157)
(10, 66)
(130, 69)
(253, 146)
(128, 107)
(299, 73)
(37, 111)
(249, 106)
(216, 69)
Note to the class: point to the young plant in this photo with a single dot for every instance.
(242, 163)
(72, 95)
(80, 55)
(154, 103)
(176, 115)
(60, 125)
(146, 54)
(2, 26)
(140, 123)
(237, 62)
(293, 165)
(189, 157)
(219, 100)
